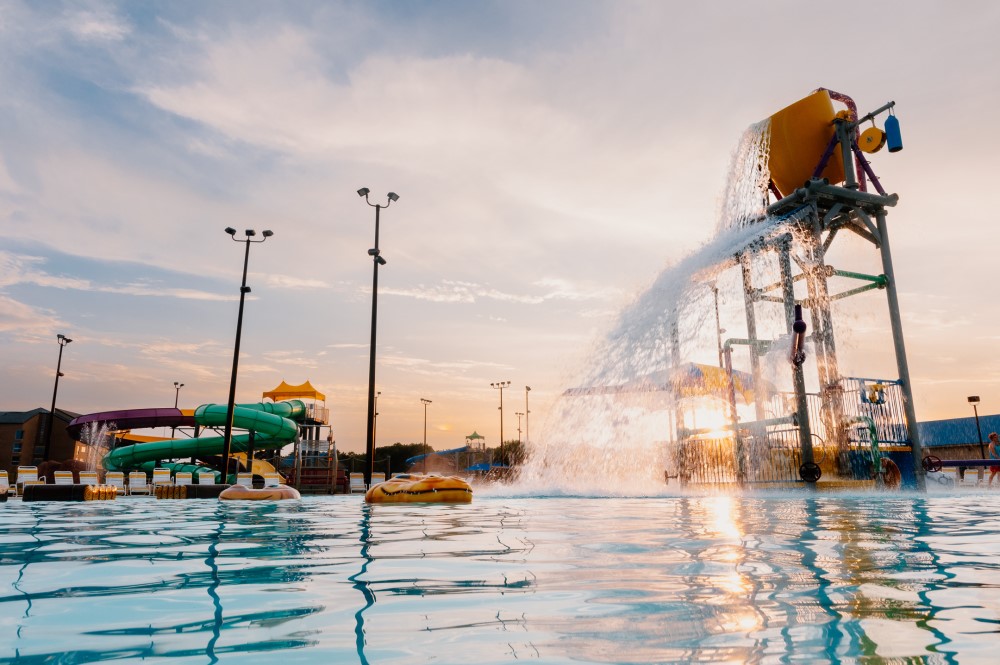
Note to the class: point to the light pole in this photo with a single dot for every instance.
(424, 451)
(63, 341)
(375, 422)
(518, 414)
(500, 385)
(177, 395)
(974, 400)
(377, 261)
(244, 290)
(527, 413)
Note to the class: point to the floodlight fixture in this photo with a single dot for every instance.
(230, 230)
(363, 191)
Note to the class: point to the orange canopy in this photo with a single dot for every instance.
(285, 391)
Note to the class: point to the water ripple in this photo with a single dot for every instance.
(754, 579)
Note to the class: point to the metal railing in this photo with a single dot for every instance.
(871, 418)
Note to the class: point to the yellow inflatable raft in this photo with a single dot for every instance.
(418, 488)
(243, 493)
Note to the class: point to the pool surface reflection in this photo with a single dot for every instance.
(672, 579)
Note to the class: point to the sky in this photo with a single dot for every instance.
(551, 159)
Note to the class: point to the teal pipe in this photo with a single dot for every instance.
(275, 424)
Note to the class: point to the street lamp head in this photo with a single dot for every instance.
(250, 233)
(393, 196)
(231, 231)
(363, 192)
(973, 399)
(267, 233)
(62, 339)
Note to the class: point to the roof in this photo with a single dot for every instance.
(475, 435)
(21, 417)
(957, 430)
(286, 391)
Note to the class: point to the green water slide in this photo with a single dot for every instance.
(274, 425)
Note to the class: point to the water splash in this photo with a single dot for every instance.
(613, 435)
(97, 438)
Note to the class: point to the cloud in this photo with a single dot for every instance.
(449, 291)
(292, 282)
(27, 321)
(97, 25)
(24, 269)
(438, 369)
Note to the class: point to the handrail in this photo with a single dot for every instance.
(873, 435)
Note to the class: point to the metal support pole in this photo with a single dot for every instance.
(897, 339)
(231, 403)
(424, 451)
(500, 385)
(250, 450)
(63, 341)
(748, 300)
(718, 323)
(979, 430)
(844, 131)
(370, 443)
(798, 376)
(527, 414)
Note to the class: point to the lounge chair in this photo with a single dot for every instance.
(116, 479)
(138, 483)
(89, 478)
(358, 483)
(5, 485)
(272, 479)
(206, 477)
(377, 478)
(162, 477)
(63, 477)
(27, 475)
(245, 479)
(183, 478)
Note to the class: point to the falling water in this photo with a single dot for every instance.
(96, 436)
(745, 197)
(612, 434)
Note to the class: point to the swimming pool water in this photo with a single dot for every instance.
(673, 579)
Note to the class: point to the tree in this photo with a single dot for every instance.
(394, 456)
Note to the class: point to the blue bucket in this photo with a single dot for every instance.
(893, 138)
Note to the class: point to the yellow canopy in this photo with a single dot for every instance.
(285, 391)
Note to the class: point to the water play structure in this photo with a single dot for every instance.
(268, 425)
(771, 407)
(274, 425)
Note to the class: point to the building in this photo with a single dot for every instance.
(22, 438)
(958, 438)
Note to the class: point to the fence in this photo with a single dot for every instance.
(769, 451)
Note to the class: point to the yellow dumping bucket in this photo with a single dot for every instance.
(800, 134)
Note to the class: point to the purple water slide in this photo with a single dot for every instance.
(132, 419)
